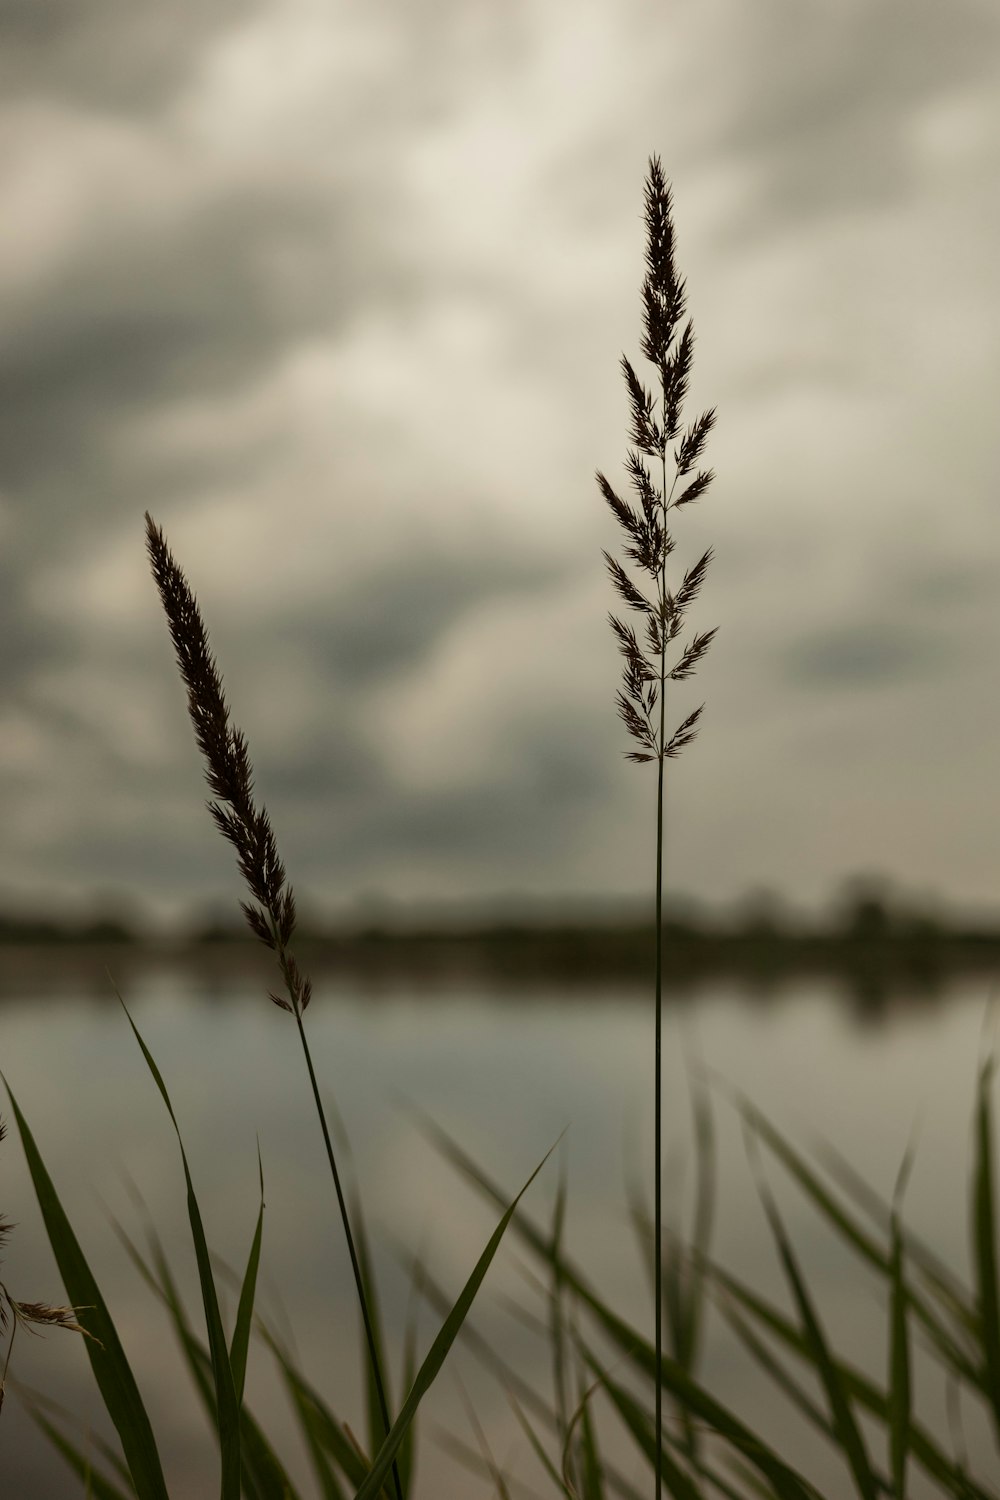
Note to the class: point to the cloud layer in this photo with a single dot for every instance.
(339, 297)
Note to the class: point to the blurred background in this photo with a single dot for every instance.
(338, 294)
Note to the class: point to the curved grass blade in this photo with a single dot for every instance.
(591, 1470)
(438, 1351)
(848, 1432)
(239, 1348)
(984, 1243)
(786, 1483)
(941, 1279)
(227, 1402)
(557, 1332)
(97, 1485)
(329, 1485)
(539, 1449)
(900, 1397)
(849, 1229)
(774, 1368)
(704, 1218)
(112, 1372)
(321, 1426)
(408, 1449)
(678, 1483)
(374, 1397)
(484, 1351)
(922, 1447)
(486, 1454)
(264, 1476)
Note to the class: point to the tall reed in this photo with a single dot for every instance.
(246, 825)
(655, 423)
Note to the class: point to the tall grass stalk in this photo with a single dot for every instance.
(246, 825)
(655, 423)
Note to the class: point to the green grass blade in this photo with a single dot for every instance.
(112, 1372)
(323, 1428)
(373, 1406)
(631, 1343)
(940, 1277)
(786, 1483)
(776, 1371)
(329, 1485)
(984, 1243)
(678, 1484)
(850, 1230)
(406, 1464)
(239, 1349)
(704, 1217)
(264, 1476)
(923, 1447)
(796, 1165)
(847, 1430)
(97, 1485)
(227, 1403)
(900, 1398)
(557, 1330)
(486, 1455)
(591, 1469)
(483, 1351)
(538, 1449)
(439, 1350)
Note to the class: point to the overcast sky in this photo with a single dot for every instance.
(338, 291)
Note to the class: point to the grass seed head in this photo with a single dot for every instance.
(655, 421)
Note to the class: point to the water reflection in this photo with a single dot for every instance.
(504, 1066)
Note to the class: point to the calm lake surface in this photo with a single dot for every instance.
(505, 1074)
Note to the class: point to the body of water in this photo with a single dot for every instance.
(504, 1073)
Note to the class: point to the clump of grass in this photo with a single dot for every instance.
(649, 665)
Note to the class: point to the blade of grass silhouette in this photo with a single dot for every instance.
(263, 1474)
(679, 1484)
(862, 1390)
(846, 1225)
(786, 1483)
(408, 1448)
(482, 1443)
(227, 1401)
(325, 1427)
(112, 1371)
(984, 1243)
(98, 1486)
(848, 1432)
(900, 1392)
(590, 1466)
(538, 1448)
(439, 1348)
(239, 1348)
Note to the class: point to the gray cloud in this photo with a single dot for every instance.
(823, 102)
(866, 655)
(108, 53)
(340, 281)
